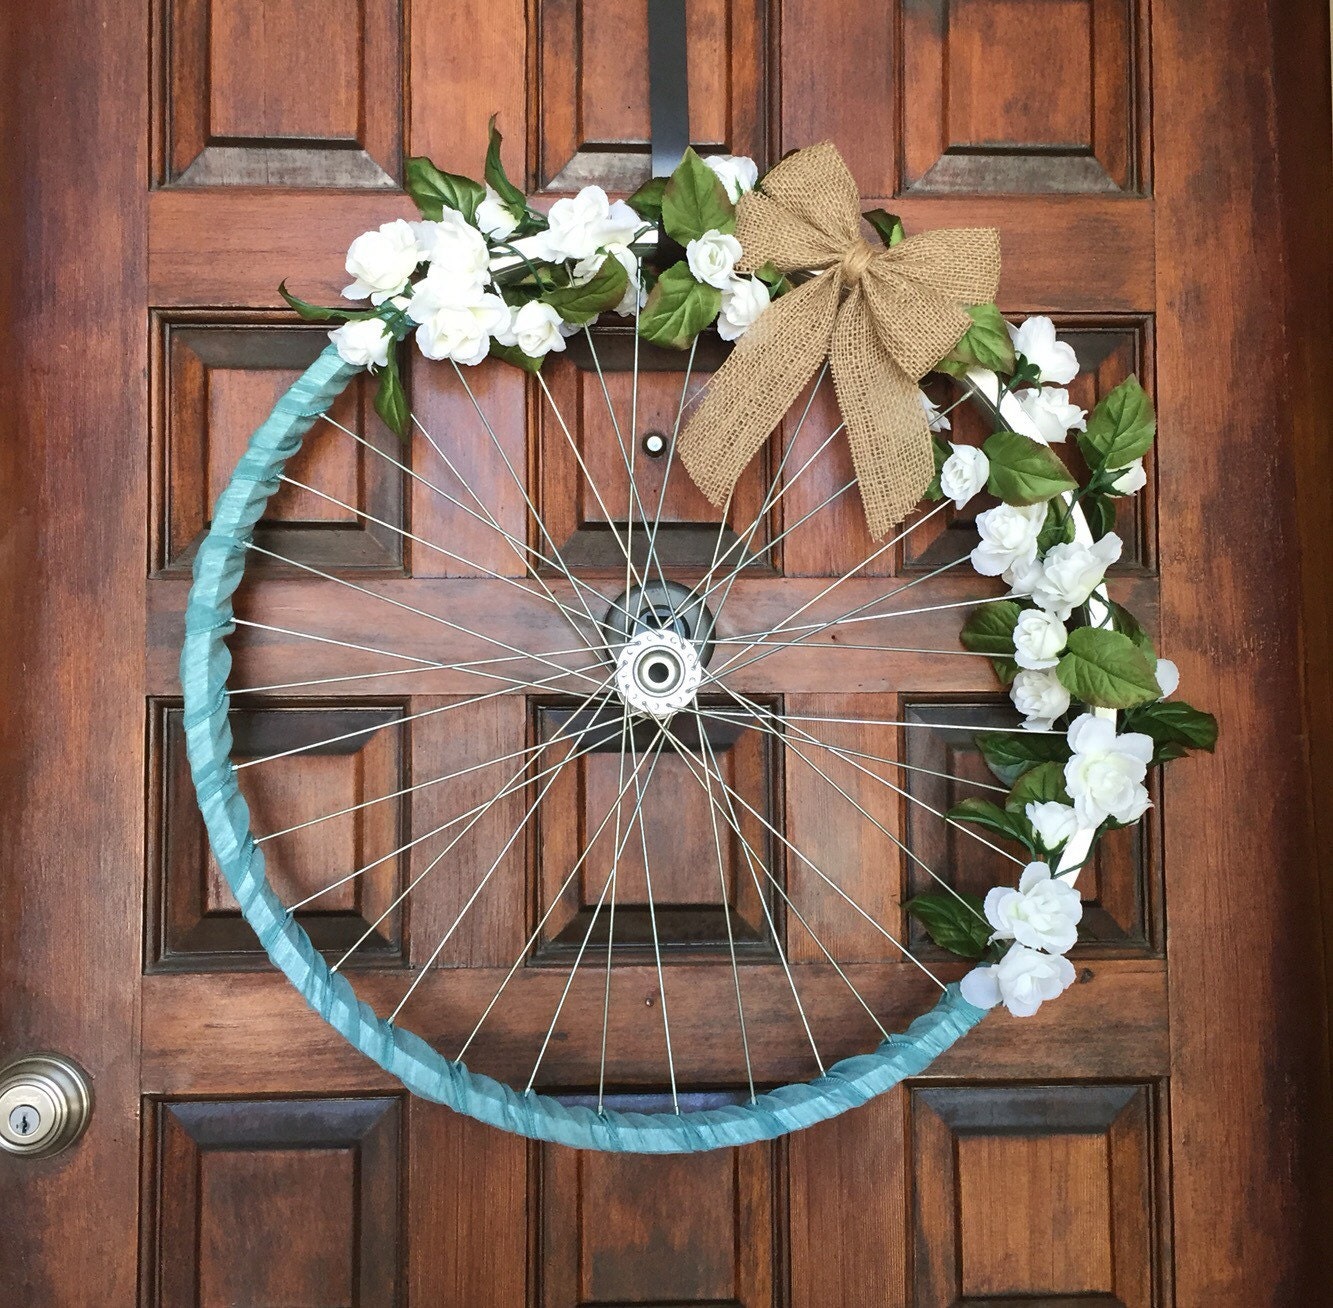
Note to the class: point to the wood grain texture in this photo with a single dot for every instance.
(73, 469)
(198, 1029)
(1248, 1038)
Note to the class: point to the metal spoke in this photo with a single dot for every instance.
(764, 908)
(785, 624)
(412, 608)
(905, 794)
(518, 548)
(560, 564)
(430, 545)
(725, 901)
(746, 715)
(737, 797)
(670, 460)
(592, 485)
(777, 886)
(652, 918)
(481, 885)
(555, 899)
(611, 922)
(770, 498)
(511, 787)
(424, 665)
(405, 790)
(444, 826)
(732, 719)
(838, 753)
(587, 935)
(473, 815)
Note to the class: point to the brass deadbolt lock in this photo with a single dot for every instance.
(45, 1104)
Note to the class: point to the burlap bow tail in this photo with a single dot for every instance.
(901, 314)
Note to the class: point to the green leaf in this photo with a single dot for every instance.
(647, 200)
(317, 313)
(514, 199)
(435, 191)
(695, 202)
(1042, 784)
(1127, 624)
(390, 399)
(888, 226)
(1106, 669)
(1024, 471)
(1006, 670)
(957, 924)
(1121, 428)
(985, 344)
(989, 629)
(1058, 529)
(602, 291)
(1099, 510)
(1173, 722)
(678, 308)
(512, 354)
(774, 278)
(1009, 754)
(982, 813)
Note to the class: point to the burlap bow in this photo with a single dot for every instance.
(902, 313)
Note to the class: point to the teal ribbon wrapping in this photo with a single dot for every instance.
(205, 666)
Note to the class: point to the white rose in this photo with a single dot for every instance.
(738, 173)
(935, 420)
(1035, 340)
(363, 343)
(535, 329)
(1039, 639)
(1053, 822)
(380, 262)
(1022, 980)
(458, 253)
(964, 473)
(1168, 677)
(1130, 478)
(1050, 410)
(456, 327)
(743, 300)
(1071, 572)
(1040, 697)
(1043, 913)
(495, 218)
(1008, 536)
(582, 224)
(1105, 776)
(1023, 577)
(712, 258)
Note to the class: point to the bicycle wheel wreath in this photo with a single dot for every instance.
(780, 267)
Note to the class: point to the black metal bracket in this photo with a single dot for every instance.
(668, 84)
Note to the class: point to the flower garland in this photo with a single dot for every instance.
(485, 275)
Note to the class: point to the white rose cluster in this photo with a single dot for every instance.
(1041, 917)
(1104, 776)
(457, 309)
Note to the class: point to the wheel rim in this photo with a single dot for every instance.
(692, 663)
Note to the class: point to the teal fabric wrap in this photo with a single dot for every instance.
(205, 665)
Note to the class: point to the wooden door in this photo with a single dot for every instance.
(1159, 175)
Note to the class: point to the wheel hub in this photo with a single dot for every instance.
(658, 673)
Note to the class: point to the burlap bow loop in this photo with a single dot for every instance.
(883, 317)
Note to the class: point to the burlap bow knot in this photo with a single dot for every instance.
(901, 313)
